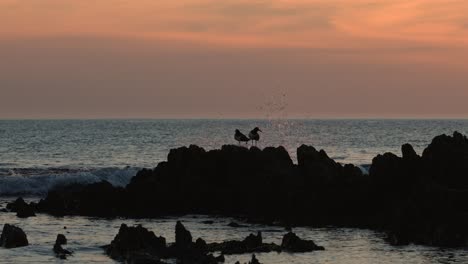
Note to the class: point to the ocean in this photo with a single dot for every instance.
(37, 155)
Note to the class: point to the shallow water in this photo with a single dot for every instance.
(86, 234)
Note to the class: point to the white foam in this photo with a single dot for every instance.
(41, 183)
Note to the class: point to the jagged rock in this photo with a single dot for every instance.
(183, 238)
(136, 241)
(265, 185)
(22, 209)
(13, 237)
(60, 252)
(18, 203)
(292, 243)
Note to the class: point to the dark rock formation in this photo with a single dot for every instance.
(183, 238)
(136, 242)
(13, 237)
(292, 243)
(59, 251)
(138, 245)
(97, 199)
(416, 199)
(22, 209)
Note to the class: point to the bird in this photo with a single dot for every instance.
(254, 136)
(240, 137)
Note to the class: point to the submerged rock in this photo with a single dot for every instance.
(13, 237)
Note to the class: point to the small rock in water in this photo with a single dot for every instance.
(13, 237)
(58, 249)
(292, 243)
(254, 260)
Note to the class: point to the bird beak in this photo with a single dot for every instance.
(260, 130)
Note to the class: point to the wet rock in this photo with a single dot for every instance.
(13, 237)
(208, 222)
(292, 243)
(253, 243)
(137, 241)
(60, 252)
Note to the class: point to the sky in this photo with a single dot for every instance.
(233, 59)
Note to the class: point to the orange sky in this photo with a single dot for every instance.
(230, 58)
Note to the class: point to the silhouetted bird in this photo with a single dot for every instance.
(254, 136)
(240, 137)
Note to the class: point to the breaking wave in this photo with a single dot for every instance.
(31, 181)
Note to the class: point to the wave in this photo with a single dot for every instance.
(32, 181)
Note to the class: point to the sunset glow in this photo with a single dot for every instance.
(418, 48)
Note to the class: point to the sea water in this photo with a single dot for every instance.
(37, 155)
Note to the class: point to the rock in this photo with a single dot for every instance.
(136, 241)
(408, 152)
(183, 238)
(22, 209)
(17, 204)
(60, 252)
(96, 199)
(24, 212)
(254, 260)
(292, 243)
(13, 237)
(253, 243)
(264, 185)
(208, 222)
(447, 160)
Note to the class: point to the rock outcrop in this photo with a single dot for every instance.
(59, 251)
(292, 243)
(416, 199)
(21, 208)
(13, 237)
(136, 242)
(252, 243)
